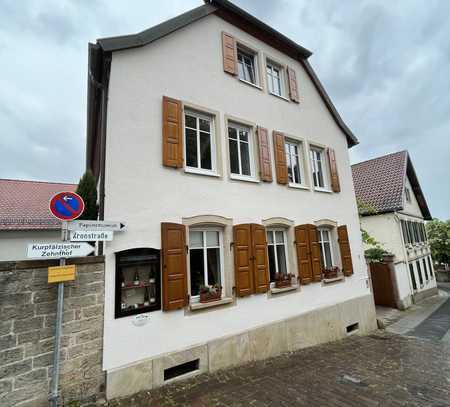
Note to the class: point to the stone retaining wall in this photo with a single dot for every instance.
(27, 329)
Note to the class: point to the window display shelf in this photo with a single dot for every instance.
(140, 285)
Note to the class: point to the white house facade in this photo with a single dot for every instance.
(389, 187)
(215, 142)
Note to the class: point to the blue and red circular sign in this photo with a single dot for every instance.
(66, 205)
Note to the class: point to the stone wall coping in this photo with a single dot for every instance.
(33, 264)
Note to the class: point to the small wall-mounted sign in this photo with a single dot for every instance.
(58, 274)
(141, 319)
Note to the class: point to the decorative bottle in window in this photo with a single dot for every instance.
(146, 299)
(136, 278)
(122, 280)
(152, 289)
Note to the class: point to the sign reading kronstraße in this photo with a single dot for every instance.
(91, 235)
(58, 250)
(102, 225)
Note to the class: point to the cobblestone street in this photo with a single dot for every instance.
(382, 369)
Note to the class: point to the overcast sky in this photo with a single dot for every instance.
(385, 64)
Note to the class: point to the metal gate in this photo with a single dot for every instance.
(383, 287)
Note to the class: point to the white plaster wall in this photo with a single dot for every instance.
(404, 284)
(187, 65)
(411, 208)
(13, 244)
(385, 228)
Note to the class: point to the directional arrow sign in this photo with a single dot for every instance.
(57, 250)
(91, 235)
(101, 225)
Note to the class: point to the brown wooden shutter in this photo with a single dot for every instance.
(303, 254)
(229, 54)
(265, 164)
(280, 157)
(293, 88)
(344, 246)
(243, 265)
(260, 258)
(335, 185)
(173, 248)
(315, 253)
(172, 137)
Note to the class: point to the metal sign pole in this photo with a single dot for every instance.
(58, 329)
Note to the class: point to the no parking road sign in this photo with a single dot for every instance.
(66, 206)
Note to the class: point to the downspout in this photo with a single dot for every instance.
(104, 105)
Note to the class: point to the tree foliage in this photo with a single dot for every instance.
(438, 232)
(87, 189)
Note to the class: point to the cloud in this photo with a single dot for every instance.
(385, 66)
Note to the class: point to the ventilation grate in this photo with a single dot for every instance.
(352, 328)
(183, 368)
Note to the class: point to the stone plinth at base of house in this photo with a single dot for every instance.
(355, 316)
(421, 295)
(27, 330)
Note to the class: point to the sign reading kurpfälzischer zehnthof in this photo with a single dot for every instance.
(58, 250)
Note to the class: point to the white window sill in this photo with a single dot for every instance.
(243, 178)
(333, 280)
(279, 96)
(195, 306)
(254, 85)
(197, 171)
(327, 191)
(274, 290)
(298, 186)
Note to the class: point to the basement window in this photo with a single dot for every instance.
(352, 328)
(182, 369)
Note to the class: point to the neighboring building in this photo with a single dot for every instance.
(394, 211)
(25, 216)
(213, 139)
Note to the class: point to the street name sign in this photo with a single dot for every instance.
(59, 274)
(91, 235)
(102, 225)
(58, 250)
(66, 205)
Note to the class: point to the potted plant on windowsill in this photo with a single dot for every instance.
(283, 280)
(210, 293)
(330, 272)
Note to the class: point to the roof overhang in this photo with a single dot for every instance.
(411, 174)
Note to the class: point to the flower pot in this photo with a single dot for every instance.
(283, 283)
(211, 296)
(331, 274)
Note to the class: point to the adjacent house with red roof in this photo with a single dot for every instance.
(393, 210)
(25, 216)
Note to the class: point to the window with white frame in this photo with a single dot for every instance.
(200, 142)
(246, 66)
(326, 249)
(277, 249)
(275, 78)
(294, 160)
(318, 166)
(241, 150)
(205, 258)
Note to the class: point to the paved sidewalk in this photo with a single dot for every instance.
(382, 370)
(402, 322)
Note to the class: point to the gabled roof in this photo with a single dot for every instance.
(24, 205)
(380, 184)
(99, 59)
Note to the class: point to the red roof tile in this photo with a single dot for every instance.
(24, 205)
(379, 182)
